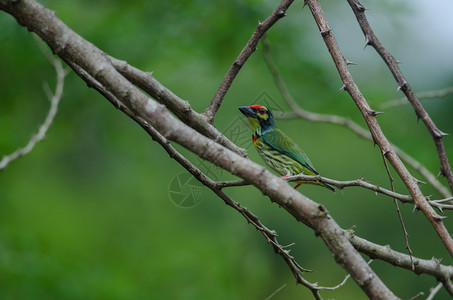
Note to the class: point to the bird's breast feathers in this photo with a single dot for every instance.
(255, 140)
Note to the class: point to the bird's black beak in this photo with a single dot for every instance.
(247, 111)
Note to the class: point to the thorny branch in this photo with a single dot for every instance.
(54, 100)
(249, 48)
(441, 204)
(431, 267)
(398, 211)
(369, 116)
(392, 63)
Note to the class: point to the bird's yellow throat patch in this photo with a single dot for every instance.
(254, 122)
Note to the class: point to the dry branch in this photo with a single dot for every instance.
(431, 267)
(441, 204)
(179, 107)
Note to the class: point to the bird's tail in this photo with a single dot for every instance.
(328, 187)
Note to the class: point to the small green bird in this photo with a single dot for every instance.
(277, 150)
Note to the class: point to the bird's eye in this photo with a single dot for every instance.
(261, 111)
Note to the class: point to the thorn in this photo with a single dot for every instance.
(398, 62)
(359, 6)
(439, 218)
(281, 13)
(418, 181)
(343, 88)
(326, 32)
(260, 23)
(374, 113)
(367, 41)
(385, 152)
(402, 86)
(436, 260)
(348, 62)
(415, 208)
(439, 134)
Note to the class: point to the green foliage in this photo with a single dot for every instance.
(87, 215)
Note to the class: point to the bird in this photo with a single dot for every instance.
(277, 149)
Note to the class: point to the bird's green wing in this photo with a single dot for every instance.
(286, 146)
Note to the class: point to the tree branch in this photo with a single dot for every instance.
(179, 107)
(379, 138)
(54, 101)
(392, 63)
(431, 267)
(439, 204)
(398, 211)
(249, 48)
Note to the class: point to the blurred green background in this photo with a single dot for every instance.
(88, 214)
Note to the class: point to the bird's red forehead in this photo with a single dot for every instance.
(257, 106)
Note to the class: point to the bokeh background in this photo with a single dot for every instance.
(99, 211)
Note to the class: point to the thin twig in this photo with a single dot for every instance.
(419, 294)
(54, 101)
(433, 291)
(298, 112)
(275, 292)
(431, 267)
(331, 288)
(406, 235)
(392, 63)
(246, 52)
(370, 117)
(421, 95)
